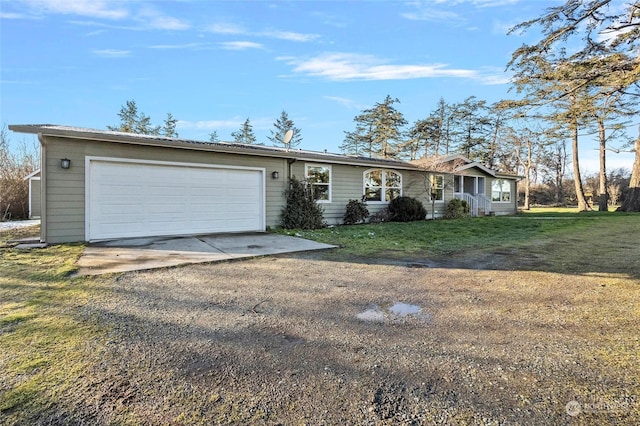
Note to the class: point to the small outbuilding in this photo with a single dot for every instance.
(34, 194)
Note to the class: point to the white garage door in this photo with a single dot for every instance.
(140, 200)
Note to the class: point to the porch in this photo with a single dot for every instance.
(472, 190)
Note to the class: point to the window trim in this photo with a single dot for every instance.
(431, 176)
(501, 191)
(383, 187)
(307, 166)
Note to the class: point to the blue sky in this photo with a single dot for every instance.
(213, 64)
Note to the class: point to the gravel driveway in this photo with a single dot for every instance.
(312, 339)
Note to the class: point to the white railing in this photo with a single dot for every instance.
(477, 204)
(484, 203)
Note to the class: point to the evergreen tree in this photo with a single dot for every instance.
(282, 125)
(244, 134)
(213, 137)
(379, 129)
(134, 121)
(169, 128)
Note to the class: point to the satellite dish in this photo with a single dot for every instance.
(287, 137)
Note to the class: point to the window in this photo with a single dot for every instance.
(437, 187)
(382, 185)
(319, 177)
(501, 191)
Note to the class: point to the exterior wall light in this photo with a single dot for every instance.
(275, 175)
(65, 163)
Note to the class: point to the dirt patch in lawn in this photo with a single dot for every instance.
(287, 340)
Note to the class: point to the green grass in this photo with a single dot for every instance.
(42, 339)
(565, 240)
(445, 236)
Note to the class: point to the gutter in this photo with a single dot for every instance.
(135, 139)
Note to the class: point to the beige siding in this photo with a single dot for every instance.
(498, 208)
(347, 184)
(34, 198)
(65, 191)
(504, 208)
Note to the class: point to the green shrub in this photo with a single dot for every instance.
(457, 209)
(301, 210)
(406, 209)
(356, 211)
(380, 216)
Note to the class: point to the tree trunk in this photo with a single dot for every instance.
(577, 179)
(631, 202)
(603, 195)
(527, 186)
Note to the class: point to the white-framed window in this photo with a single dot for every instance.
(319, 177)
(436, 187)
(500, 191)
(381, 185)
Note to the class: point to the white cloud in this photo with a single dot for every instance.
(92, 8)
(145, 17)
(443, 10)
(152, 19)
(348, 66)
(432, 15)
(290, 36)
(234, 29)
(179, 46)
(226, 28)
(11, 15)
(112, 53)
(347, 103)
(240, 45)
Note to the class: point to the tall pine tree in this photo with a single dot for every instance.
(379, 131)
(244, 134)
(281, 126)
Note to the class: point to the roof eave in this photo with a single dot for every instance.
(221, 147)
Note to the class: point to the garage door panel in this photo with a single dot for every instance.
(135, 200)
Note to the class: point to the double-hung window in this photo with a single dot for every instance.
(501, 191)
(319, 177)
(437, 187)
(382, 185)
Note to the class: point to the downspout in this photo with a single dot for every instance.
(43, 189)
(290, 162)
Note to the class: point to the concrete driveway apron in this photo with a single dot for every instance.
(158, 252)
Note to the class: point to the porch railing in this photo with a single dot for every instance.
(478, 204)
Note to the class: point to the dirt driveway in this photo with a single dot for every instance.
(312, 339)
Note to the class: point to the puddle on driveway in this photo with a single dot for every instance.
(399, 312)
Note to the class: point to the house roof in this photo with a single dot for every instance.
(460, 163)
(468, 164)
(222, 147)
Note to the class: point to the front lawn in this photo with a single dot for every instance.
(569, 241)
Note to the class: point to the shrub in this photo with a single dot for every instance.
(301, 210)
(356, 211)
(380, 216)
(406, 209)
(457, 209)
(14, 166)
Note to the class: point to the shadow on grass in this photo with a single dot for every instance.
(575, 243)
